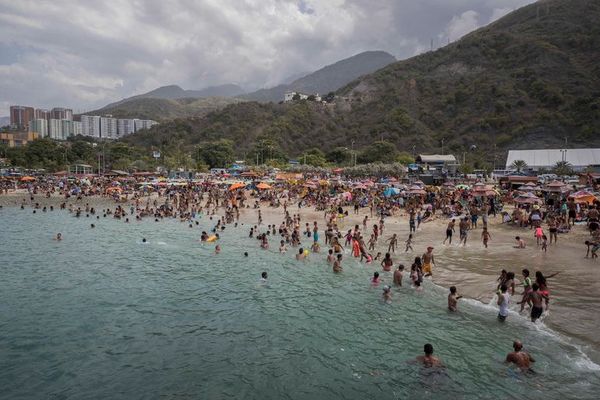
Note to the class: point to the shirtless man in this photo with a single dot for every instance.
(300, 256)
(429, 360)
(330, 257)
(453, 299)
(427, 259)
(398, 275)
(537, 301)
(450, 231)
(520, 358)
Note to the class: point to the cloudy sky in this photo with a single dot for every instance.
(86, 53)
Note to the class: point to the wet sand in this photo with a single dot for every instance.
(575, 292)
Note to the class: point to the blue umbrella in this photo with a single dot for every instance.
(389, 192)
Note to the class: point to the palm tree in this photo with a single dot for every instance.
(519, 165)
(563, 168)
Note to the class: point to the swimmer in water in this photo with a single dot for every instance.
(520, 358)
(143, 240)
(375, 280)
(217, 249)
(429, 360)
(282, 247)
(300, 256)
(330, 257)
(58, 236)
(245, 254)
(263, 277)
(520, 243)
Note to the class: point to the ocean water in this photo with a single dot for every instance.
(100, 315)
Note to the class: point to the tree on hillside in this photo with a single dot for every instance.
(218, 154)
(314, 157)
(405, 158)
(519, 165)
(563, 168)
(296, 97)
(339, 155)
(329, 97)
(381, 151)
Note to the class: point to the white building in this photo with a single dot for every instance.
(39, 126)
(125, 127)
(289, 96)
(108, 128)
(90, 125)
(77, 128)
(144, 124)
(547, 159)
(55, 129)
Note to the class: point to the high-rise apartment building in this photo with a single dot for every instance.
(39, 126)
(61, 113)
(108, 128)
(55, 129)
(42, 114)
(144, 124)
(90, 125)
(125, 127)
(20, 116)
(77, 128)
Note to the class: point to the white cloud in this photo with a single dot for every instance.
(85, 54)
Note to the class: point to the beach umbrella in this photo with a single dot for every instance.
(236, 186)
(583, 197)
(360, 186)
(310, 185)
(556, 186)
(527, 198)
(347, 196)
(389, 192)
(263, 186)
(463, 186)
(416, 191)
(368, 183)
(113, 189)
(27, 179)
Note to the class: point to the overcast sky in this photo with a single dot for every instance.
(86, 53)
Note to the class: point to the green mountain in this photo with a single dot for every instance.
(529, 80)
(327, 79)
(165, 109)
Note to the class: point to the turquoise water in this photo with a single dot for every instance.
(100, 315)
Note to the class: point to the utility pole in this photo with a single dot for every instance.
(442, 146)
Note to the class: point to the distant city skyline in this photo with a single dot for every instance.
(85, 55)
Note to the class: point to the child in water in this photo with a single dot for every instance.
(544, 243)
(409, 243)
(387, 294)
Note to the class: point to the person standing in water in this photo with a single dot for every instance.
(337, 264)
(503, 302)
(428, 259)
(485, 237)
(450, 231)
(409, 243)
(453, 299)
(520, 358)
(463, 227)
(398, 275)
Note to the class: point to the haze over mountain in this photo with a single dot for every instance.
(329, 78)
(526, 81)
(166, 102)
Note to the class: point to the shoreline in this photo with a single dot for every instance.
(473, 269)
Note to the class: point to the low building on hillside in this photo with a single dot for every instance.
(81, 169)
(535, 160)
(289, 96)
